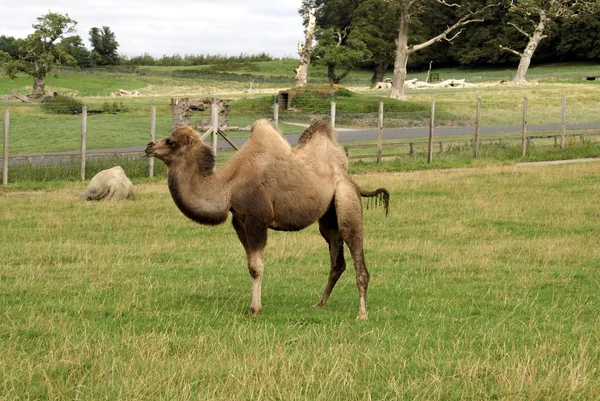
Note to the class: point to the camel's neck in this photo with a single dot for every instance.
(199, 194)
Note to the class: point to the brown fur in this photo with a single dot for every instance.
(269, 184)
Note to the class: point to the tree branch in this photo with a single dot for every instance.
(508, 49)
(442, 36)
(448, 4)
(522, 31)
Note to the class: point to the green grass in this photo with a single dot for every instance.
(32, 130)
(480, 289)
(74, 83)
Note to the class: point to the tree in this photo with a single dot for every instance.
(105, 44)
(409, 8)
(40, 53)
(337, 49)
(6, 45)
(337, 46)
(536, 17)
(74, 46)
(375, 22)
(305, 49)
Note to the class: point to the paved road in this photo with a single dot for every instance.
(345, 135)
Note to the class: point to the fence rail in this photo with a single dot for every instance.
(381, 148)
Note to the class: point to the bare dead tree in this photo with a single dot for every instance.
(404, 49)
(545, 12)
(305, 49)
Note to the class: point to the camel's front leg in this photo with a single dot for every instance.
(256, 237)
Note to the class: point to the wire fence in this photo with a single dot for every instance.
(98, 133)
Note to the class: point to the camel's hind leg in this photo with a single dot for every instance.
(328, 226)
(348, 208)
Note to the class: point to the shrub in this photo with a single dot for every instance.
(114, 107)
(62, 105)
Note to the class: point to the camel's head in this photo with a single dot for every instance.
(176, 147)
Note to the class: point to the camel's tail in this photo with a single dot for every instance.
(381, 195)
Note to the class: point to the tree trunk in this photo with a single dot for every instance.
(305, 50)
(534, 41)
(397, 91)
(39, 87)
(378, 73)
(180, 111)
(335, 79)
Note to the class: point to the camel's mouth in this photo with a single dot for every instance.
(150, 149)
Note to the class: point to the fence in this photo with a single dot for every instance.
(97, 137)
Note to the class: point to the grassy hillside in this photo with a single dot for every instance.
(234, 77)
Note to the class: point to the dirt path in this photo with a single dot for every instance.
(556, 162)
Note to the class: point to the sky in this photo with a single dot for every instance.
(226, 27)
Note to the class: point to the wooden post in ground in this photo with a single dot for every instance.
(215, 124)
(83, 139)
(431, 129)
(563, 121)
(276, 113)
(380, 133)
(524, 129)
(5, 154)
(152, 138)
(477, 128)
(332, 115)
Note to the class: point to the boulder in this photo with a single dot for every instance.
(110, 184)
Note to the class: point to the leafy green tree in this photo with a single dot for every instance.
(6, 45)
(105, 44)
(376, 22)
(74, 46)
(579, 38)
(336, 49)
(39, 53)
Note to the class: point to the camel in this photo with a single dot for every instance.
(109, 184)
(268, 184)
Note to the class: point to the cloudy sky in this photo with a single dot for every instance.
(162, 27)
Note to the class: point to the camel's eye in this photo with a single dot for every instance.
(169, 142)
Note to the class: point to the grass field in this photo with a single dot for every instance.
(485, 285)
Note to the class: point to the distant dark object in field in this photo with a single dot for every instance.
(90, 111)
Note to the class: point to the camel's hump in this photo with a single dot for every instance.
(317, 128)
(264, 137)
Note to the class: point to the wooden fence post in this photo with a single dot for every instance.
(152, 138)
(215, 124)
(276, 113)
(380, 133)
(477, 128)
(431, 129)
(524, 129)
(332, 109)
(5, 154)
(83, 139)
(563, 121)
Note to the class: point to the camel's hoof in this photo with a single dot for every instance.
(361, 316)
(254, 311)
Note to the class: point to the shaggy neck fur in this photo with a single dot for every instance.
(195, 188)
